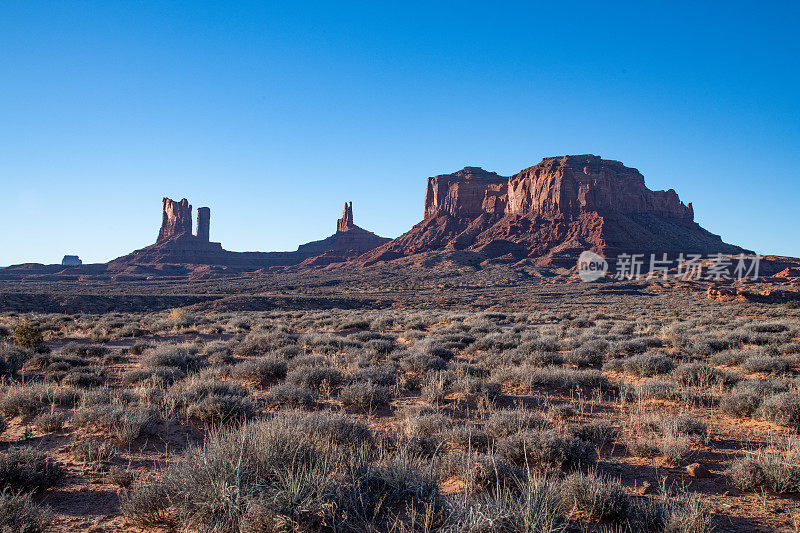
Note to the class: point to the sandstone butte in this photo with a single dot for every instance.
(551, 212)
(177, 245)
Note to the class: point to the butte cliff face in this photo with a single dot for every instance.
(176, 220)
(558, 207)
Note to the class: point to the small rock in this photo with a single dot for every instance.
(697, 470)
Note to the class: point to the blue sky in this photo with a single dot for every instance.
(274, 114)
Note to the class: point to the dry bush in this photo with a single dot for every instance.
(365, 396)
(20, 514)
(26, 468)
(278, 473)
(544, 450)
(262, 370)
(290, 395)
(50, 422)
(774, 468)
(594, 496)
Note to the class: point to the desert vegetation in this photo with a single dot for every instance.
(620, 418)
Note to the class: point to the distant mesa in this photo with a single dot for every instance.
(71, 260)
(177, 245)
(551, 212)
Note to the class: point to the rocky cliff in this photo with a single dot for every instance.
(561, 206)
(176, 245)
(176, 219)
(346, 222)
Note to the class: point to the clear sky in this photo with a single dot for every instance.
(275, 113)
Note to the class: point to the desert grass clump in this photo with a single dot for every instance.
(467, 436)
(381, 347)
(212, 400)
(125, 422)
(475, 387)
(642, 364)
(435, 387)
(82, 379)
(290, 395)
(699, 374)
(598, 432)
(774, 468)
(221, 409)
(531, 505)
(681, 514)
(505, 422)
(766, 364)
(479, 471)
(334, 428)
(319, 378)
(20, 514)
(730, 357)
(83, 350)
(146, 505)
(782, 408)
(566, 379)
(594, 496)
(262, 370)
(655, 389)
(740, 403)
(272, 472)
(12, 359)
(365, 396)
(29, 469)
(27, 400)
(160, 376)
(422, 421)
(51, 422)
(181, 356)
(384, 374)
(685, 424)
(589, 354)
(421, 362)
(746, 397)
(544, 450)
(674, 446)
(93, 450)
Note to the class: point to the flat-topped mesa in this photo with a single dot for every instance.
(346, 222)
(558, 186)
(560, 206)
(571, 185)
(176, 219)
